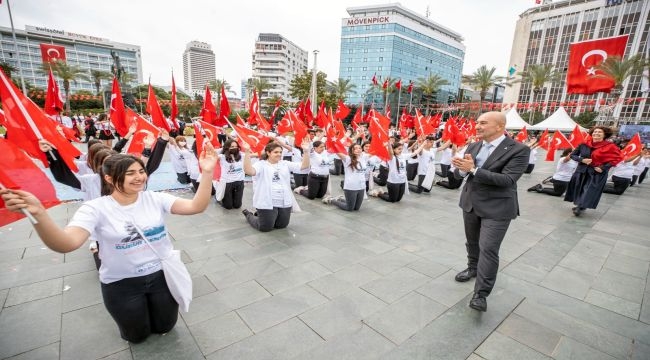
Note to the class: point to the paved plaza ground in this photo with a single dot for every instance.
(377, 284)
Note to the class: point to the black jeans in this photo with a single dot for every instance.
(559, 187)
(618, 187)
(642, 176)
(634, 179)
(195, 187)
(529, 168)
(352, 202)
(444, 170)
(141, 306)
(451, 183)
(395, 192)
(411, 170)
(300, 179)
(232, 195)
(316, 186)
(382, 177)
(419, 188)
(338, 167)
(183, 178)
(269, 219)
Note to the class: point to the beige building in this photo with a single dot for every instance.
(278, 61)
(543, 35)
(198, 66)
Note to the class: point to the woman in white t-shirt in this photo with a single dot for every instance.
(396, 183)
(232, 173)
(532, 158)
(319, 163)
(178, 152)
(563, 173)
(354, 182)
(272, 195)
(133, 285)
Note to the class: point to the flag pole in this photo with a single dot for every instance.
(13, 34)
(29, 215)
(410, 99)
(399, 97)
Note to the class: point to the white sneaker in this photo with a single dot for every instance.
(327, 200)
(297, 190)
(341, 197)
(374, 192)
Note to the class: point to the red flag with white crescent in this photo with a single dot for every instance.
(583, 77)
(174, 105)
(153, 108)
(208, 111)
(143, 129)
(117, 113)
(53, 101)
(522, 135)
(576, 137)
(633, 147)
(51, 53)
(558, 142)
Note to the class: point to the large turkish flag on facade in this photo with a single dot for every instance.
(584, 56)
(51, 53)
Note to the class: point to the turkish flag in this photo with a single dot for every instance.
(208, 111)
(410, 88)
(522, 135)
(253, 110)
(374, 80)
(385, 85)
(224, 108)
(356, 120)
(342, 111)
(262, 123)
(299, 128)
(584, 57)
(378, 129)
(576, 138)
(633, 147)
(18, 171)
(53, 101)
(544, 140)
(117, 113)
(255, 140)
(27, 123)
(143, 128)
(50, 53)
(275, 109)
(203, 129)
(321, 118)
(174, 105)
(153, 108)
(284, 125)
(558, 142)
(398, 84)
(422, 127)
(334, 140)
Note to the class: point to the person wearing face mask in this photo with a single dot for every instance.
(178, 151)
(595, 157)
(232, 173)
(396, 183)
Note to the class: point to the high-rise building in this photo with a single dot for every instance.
(85, 51)
(278, 61)
(198, 66)
(391, 41)
(543, 35)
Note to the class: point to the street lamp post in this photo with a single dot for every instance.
(314, 79)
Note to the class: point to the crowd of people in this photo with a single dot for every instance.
(117, 205)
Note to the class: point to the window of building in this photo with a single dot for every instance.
(365, 59)
(365, 50)
(381, 58)
(365, 68)
(381, 49)
(379, 68)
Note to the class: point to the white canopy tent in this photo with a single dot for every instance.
(514, 121)
(559, 120)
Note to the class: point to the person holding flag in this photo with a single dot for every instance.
(595, 157)
(232, 174)
(272, 196)
(622, 176)
(396, 182)
(354, 183)
(320, 162)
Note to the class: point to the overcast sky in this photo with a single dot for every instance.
(163, 28)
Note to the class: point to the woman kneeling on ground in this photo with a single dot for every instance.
(272, 195)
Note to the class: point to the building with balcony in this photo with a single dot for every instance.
(198, 67)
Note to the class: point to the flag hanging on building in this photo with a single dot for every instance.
(53, 101)
(51, 52)
(582, 75)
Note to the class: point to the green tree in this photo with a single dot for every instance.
(142, 92)
(7, 68)
(300, 88)
(538, 76)
(430, 86)
(341, 88)
(483, 79)
(68, 73)
(215, 86)
(586, 118)
(619, 69)
(126, 79)
(269, 105)
(97, 76)
(260, 85)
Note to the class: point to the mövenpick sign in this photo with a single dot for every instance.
(368, 20)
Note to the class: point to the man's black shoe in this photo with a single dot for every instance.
(478, 303)
(466, 275)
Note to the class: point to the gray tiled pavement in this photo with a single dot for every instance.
(377, 284)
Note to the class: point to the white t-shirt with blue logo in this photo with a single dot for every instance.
(232, 171)
(123, 252)
(355, 179)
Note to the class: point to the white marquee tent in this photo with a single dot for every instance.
(514, 121)
(559, 120)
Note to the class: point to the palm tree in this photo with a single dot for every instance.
(430, 86)
(67, 73)
(260, 85)
(7, 68)
(483, 79)
(97, 76)
(126, 78)
(619, 70)
(215, 85)
(538, 75)
(341, 88)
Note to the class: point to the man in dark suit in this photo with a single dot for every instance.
(492, 167)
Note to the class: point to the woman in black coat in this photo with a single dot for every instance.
(595, 157)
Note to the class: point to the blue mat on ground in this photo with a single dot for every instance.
(164, 178)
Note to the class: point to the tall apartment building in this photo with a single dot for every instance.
(278, 61)
(543, 35)
(198, 66)
(391, 41)
(85, 51)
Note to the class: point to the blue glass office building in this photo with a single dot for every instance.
(390, 41)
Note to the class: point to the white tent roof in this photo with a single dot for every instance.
(514, 121)
(560, 120)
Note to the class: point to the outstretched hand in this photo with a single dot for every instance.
(306, 144)
(208, 157)
(16, 200)
(45, 145)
